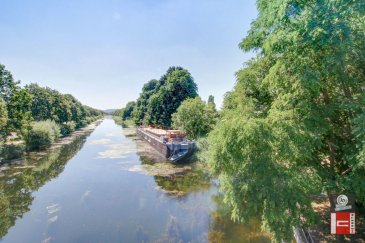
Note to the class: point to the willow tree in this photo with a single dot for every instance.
(294, 124)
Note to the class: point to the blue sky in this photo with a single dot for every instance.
(103, 51)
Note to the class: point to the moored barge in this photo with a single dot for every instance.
(171, 143)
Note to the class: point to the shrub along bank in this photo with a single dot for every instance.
(34, 114)
(42, 134)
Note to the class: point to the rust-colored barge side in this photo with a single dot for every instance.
(170, 143)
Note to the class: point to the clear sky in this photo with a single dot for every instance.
(103, 51)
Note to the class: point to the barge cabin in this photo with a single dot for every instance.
(171, 143)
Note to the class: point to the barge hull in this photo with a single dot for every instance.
(166, 149)
(154, 142)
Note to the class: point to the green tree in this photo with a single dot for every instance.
(174, 87)
(195, 117)
(7, 83)
(77, 110)
(161, 98)
(211, 100)
(42, 134)
(42, 102)
(294, 123)
(18, 108)
(62, 108)
(140, 110)
(37, 103)
(3, 117)
(126, 113)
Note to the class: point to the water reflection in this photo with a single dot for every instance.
(18, 182)
(223, 229)
(181, 180)
(122, 196)
(181, 184)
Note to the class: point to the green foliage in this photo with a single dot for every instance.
(211, 100)
(17, 197)
(19, 115)
(67, 128)
(82, 123)
(42, 134)
(293, 125)
(202, 150)
(3, 115)
(126, 112)
(17, 102)
(161, 98)
(62, 108)
(36, 103)
(42, 102)
(140, 110)
(261, 173)
(7, 84)
(195, 117)
(11, 151)
(93, 113)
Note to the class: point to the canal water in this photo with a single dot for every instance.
(108, 186)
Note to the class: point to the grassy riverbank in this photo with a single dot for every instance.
(15, 149)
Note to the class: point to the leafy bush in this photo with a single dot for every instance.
(118, 120)
(67, 128)
(195, 117)
(81, 123)
(90, 119)
(42, 134)
(87, 121)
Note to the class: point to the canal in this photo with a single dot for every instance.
(108, 186)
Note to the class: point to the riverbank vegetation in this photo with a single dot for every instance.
(196, 117)
(42, 134)
(161, 98)
(36, 115)
(293, 126)
(171, 102)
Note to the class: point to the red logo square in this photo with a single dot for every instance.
(342, 223)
